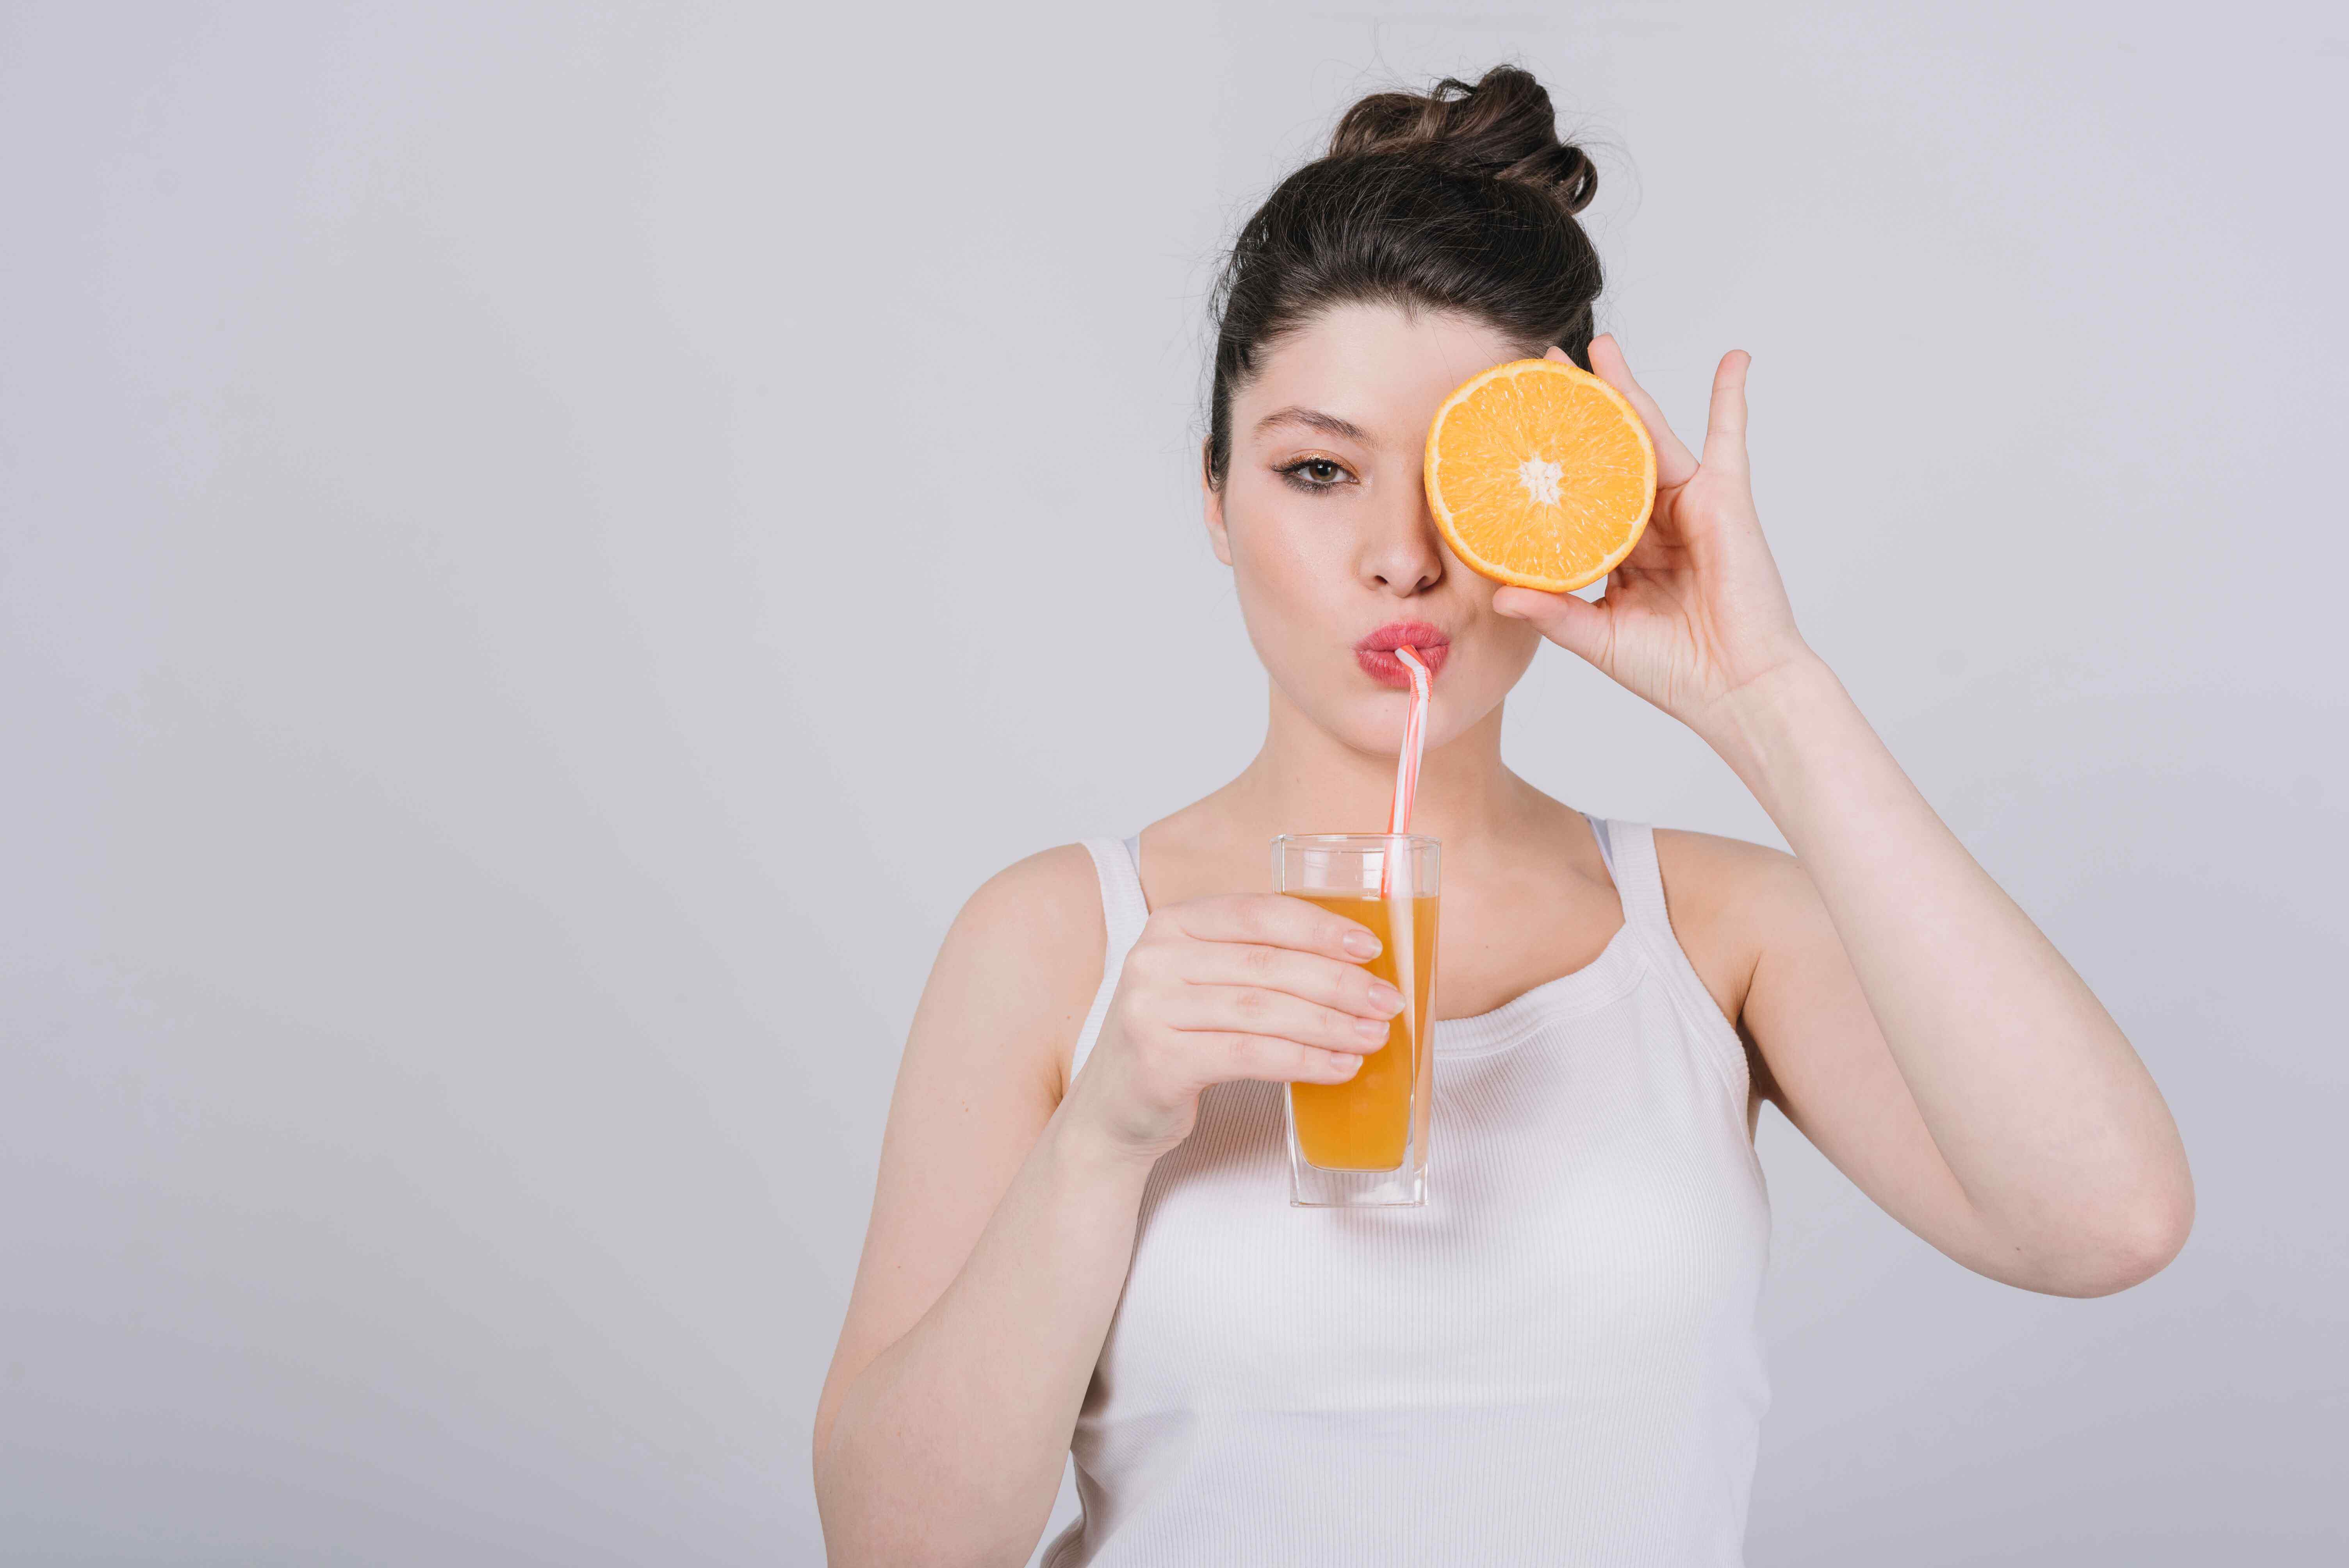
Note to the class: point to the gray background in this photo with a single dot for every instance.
(547, 552)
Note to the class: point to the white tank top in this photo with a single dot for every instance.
(1555, 1361)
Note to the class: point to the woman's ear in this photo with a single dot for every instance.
(1212, 500)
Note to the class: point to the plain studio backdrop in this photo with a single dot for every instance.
(547, 552)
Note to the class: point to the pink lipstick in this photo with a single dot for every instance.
(1375, 653)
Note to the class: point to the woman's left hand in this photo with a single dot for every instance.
(1696, 614)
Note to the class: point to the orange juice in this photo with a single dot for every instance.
(1364, 1123)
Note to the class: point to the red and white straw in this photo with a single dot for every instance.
(1414, 739)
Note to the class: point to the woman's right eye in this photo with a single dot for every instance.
(1314, 473)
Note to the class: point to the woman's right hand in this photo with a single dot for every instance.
(1253, 986)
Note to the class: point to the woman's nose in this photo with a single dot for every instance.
(1406, 555)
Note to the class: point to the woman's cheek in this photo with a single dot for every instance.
(1281, 583)
(1288, 604)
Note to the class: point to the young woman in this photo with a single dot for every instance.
(1082, 1234)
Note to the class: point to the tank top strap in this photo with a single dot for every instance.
(1599, 830)
(1630, 852)
(1117, 862)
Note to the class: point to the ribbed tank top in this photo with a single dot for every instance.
(1555, 1361)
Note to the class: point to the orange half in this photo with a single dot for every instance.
(1540, 474)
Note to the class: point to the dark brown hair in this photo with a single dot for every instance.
(1461, 199)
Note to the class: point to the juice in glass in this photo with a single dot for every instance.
(1363, 1142)
(1364, 1123)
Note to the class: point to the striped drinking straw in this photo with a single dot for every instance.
(1414, 737)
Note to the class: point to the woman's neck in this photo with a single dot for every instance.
(1306, 780)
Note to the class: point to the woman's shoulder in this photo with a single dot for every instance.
(1028, 947)
(1712, 868)
(1049, 902)
(1720, 893)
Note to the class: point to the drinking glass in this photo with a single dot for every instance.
(1363, 1143)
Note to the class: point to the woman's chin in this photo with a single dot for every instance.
(1375, 728)
(1369, 719)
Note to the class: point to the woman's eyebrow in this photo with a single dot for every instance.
(1329, 424)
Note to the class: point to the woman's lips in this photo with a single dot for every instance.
(1375, 653)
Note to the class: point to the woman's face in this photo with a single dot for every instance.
(1323, 519)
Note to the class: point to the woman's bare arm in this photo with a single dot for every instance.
(1004, 1220)
(1924, 1034)
(1916, 1024)
(997, 1249)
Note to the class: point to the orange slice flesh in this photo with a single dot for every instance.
(1540, 474)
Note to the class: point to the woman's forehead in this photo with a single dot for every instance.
(1376, 368)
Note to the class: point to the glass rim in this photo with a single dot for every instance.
(1333, 840)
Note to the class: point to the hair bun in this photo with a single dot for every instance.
(1501, 126)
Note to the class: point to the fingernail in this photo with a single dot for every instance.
(1361, 945)
(1386, 997)
(1369, 1028)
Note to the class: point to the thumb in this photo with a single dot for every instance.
(1574, 624)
